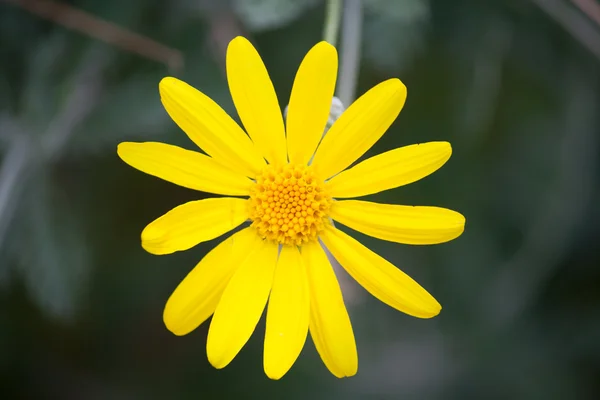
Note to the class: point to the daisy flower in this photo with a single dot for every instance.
(287, 183)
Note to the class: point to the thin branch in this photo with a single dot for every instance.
(573, 22)
(97, 28)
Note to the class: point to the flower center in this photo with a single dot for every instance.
(288, 204)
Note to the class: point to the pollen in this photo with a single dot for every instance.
(289, 204)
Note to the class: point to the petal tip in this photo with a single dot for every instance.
(432, 310)
(173, 320)
(460, 223)
(216, 363)
(166, 82)
(461, 227)
(396, 82)
(400, 87)
(151, 233)
(168, 86)
(274, 374)
(171, 324)
(395, 86)
(239, 39)
(446, 150)
(442, 149)
(151, 238)
(153, 250)
(237, 42)
(215, 357)
(350, 372)
(122, 148)
(325, 46)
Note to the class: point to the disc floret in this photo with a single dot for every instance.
(289, 204)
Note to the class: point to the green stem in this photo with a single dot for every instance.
(332, 21)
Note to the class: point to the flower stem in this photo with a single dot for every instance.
(350, 55)
(332, 21)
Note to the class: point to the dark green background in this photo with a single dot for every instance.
(503, 81)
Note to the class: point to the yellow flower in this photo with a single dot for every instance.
(290, 183)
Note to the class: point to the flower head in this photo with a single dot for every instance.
(289, 205)
(289, 182)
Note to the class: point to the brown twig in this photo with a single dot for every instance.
(589, 7)
(224, 26)
(573, 22)
(97, 28)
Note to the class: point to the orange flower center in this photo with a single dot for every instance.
(289, 205)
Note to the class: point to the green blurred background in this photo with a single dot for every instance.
(513, 85)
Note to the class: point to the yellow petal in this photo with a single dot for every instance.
(182, 167)
(359, 127)
(255, 100)
(241, 305)
(390, 169)
(401, 224)
(379, 277)
(287, 314)
(209, 126)
(197, 296)
(191, 223)
(330, 326)
(310, 102)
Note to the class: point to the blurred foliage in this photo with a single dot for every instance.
(515, 94)
(261, 15)
(399, 25)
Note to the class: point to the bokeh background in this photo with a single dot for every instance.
(513, 85)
